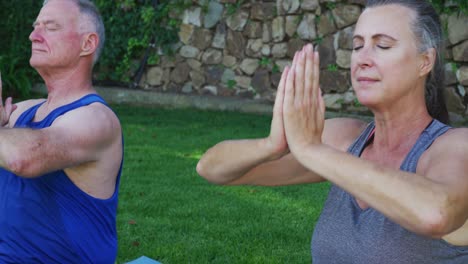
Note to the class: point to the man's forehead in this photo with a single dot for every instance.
(58, 10)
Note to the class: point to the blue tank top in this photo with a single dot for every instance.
(48, 219)
(346, 234)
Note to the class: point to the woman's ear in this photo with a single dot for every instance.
(89, 44)
(428, 59)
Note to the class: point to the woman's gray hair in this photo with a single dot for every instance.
(427, 29)
(90, 20)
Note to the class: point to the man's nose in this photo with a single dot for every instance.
(35, 35)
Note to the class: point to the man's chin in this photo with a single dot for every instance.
(35, 63)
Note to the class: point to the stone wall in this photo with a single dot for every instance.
(240, 48)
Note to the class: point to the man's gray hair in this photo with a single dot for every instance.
(90, 20)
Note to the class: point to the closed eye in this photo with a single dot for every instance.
(357, 48)
(383, 47)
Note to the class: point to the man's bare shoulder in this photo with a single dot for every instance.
(96, 118)
(21, 107)
(341, 132)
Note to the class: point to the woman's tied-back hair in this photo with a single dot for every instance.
(90, 20)
(427, 29)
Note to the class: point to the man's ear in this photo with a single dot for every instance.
(89, 44)
(428, 59)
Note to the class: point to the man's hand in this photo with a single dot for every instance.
(5, 109)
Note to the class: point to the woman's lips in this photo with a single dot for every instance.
(366, 80)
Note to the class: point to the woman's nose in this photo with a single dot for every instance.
(364, 57)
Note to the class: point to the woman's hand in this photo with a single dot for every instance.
(5, 109)
(303, 107)
(277, 138)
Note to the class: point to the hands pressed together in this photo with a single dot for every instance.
(5, 109)
(299, 110)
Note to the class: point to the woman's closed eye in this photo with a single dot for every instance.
(384, 47)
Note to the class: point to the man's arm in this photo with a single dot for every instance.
(77, 137)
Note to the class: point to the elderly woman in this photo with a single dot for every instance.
(400, 183)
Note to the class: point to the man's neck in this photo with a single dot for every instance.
(66, 85)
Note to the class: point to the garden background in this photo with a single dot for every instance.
(221, 55)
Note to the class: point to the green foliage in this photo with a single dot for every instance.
(205, 7)
(318, 40)
(16, 79)
(275, 68)
(317, 19)
(132, 28)
(15, 47)
(231, 84)
(265, 61)
(450, 6)
(231, 9)
(356, 103)
(331, 5)
(332, 67)
(454, 66)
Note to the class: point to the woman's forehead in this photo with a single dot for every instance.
(394, 20)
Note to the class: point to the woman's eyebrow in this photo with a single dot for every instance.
(376, 36)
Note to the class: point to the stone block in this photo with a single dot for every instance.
(238, 20)
(460, 52)
(457, 28)
(346, 15)
(249, 66)
(277, 29)
(306, 29)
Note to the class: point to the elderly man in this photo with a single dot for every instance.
(61, 157)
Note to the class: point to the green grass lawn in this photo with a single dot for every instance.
(169, 213)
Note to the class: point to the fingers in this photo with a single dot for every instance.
(299, 77)
(309, 71)
(302, 82)
(316, 74)
(289, 92)
(278, 107)
(9, 106)
(1, 89)
(321, 102)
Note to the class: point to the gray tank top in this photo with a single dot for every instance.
(346, 234)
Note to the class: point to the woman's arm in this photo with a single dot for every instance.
(432, 202)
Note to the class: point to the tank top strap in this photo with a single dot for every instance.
(25, 120)
(425, 140)
(359, 143)
(85, 100)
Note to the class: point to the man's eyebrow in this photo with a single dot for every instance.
(376, 36)
(46, 22)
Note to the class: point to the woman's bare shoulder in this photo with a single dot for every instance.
(451, 149)
(340, 133)
(453, 137)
